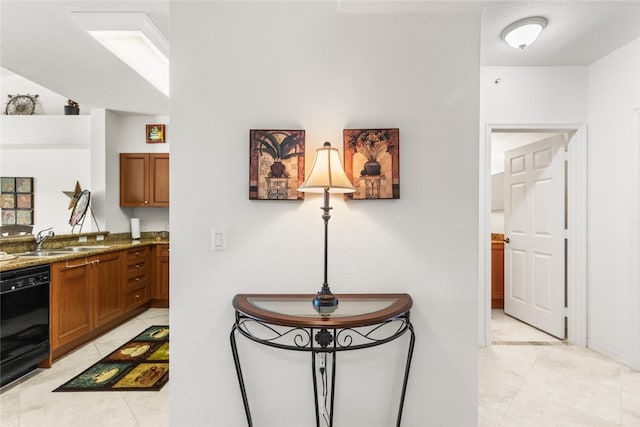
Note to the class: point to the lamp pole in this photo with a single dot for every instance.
(325, 302)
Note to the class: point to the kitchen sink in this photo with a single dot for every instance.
(42, 253)
(84, 248)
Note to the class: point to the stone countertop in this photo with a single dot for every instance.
(24, 261)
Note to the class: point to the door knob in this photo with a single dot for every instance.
(506, 240)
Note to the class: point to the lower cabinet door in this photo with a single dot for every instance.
(70, 301)
(107, 285)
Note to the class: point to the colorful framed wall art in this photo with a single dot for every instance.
(276, 164)
(371, 161)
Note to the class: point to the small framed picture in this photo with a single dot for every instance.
(155, 133)
(371, 162)
(276, 164)
(8, 201)
(24, 185)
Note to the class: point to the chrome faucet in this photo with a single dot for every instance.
(42, 236)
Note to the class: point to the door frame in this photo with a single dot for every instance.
(576, 261)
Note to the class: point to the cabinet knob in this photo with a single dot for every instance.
(137, 279)
(137, 296)
(146, 202)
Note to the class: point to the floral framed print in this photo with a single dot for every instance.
(276, 164)
(155, 133)
(371, 161)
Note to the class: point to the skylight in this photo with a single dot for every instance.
(133, 38)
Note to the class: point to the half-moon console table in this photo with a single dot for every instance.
(289, 322)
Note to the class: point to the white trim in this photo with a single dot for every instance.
(484, 242)
(577, 205)
(635, 266)
(577, 282)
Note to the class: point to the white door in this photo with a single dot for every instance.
(534, 212)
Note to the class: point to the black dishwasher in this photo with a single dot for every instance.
(24, 321)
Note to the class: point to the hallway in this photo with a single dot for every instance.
(528, 378)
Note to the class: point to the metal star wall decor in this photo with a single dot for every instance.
(73, 195)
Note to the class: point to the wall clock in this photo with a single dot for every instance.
(24, 105)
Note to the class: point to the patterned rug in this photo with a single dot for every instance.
(142, 364)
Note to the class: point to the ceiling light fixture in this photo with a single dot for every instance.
(133, 38)
(522, 33)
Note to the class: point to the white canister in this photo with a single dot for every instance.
(135, 228)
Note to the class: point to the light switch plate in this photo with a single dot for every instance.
(218, 239)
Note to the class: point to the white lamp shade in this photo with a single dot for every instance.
(524, 32)
(327, 173)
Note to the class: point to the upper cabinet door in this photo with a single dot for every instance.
(159, 179)
(144, 179)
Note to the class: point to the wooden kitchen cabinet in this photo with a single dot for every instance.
(497, 274)
(106, 279)
(137, 277)
(144, 179)
(71, 301)
(91, 295)
(160, 294)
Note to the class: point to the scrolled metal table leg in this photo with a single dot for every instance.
(236, 361)
(412, 341)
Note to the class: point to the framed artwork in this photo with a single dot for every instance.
(155, 133)
(16, 200)
(371, 161)
(276, 164)
(8, 201)
(24, 185)
(8, 185)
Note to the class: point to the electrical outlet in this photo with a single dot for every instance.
(82, 239)
(100, 237)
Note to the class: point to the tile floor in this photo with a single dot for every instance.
(29, 402)
(528, 378)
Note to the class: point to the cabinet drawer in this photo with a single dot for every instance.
(137, 268)
(162, 250)
(135, 281)
(137, 296)
(137, 254)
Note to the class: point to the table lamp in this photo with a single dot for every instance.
(327, 175)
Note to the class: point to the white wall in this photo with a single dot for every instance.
(614, 299)
(533, 95)
(604, 96)
(303, 65)
(49, 102)
(524, 96)
(59, 150)
(54, 150)
(126, 134)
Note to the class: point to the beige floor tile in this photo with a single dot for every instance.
(552, 383)
(630, 409)
(494, 399)
(505, 328)
(29, 402)
(532, 410)
(495, 363)
(597, 395)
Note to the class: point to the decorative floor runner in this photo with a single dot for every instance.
(142, 364)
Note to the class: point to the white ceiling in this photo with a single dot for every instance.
(40, 41)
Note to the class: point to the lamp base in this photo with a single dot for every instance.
(325, 302)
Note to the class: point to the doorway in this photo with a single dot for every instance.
(528, 278)
(576, 218)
